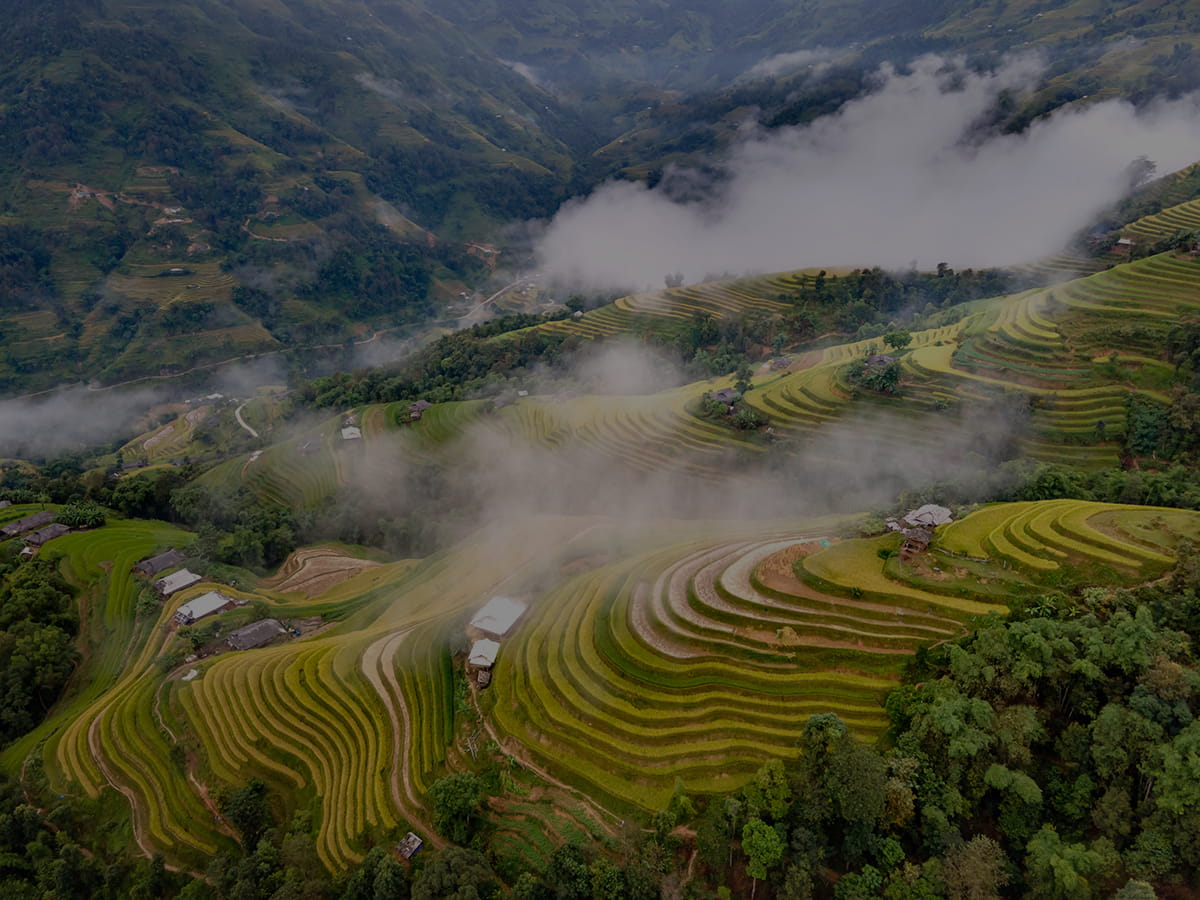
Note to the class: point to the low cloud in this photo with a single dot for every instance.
(818, 59)
(906, 172)
(76, 418)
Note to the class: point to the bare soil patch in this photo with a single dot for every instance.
(314, 570)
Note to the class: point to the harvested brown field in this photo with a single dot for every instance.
(314, 570)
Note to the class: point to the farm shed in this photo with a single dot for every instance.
(205, 605)
(410, 846)
(498, 616)
(481, 659)
(156, 564)
(255, 634)
(49, 533)
(29, 523)
(916, 542)
(416, 409)
(728, 396)
(351, 433)
(176, 581)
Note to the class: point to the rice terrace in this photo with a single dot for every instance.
(651, 452)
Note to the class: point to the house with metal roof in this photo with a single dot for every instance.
(176, 581)
(203, 606)
(498, 616)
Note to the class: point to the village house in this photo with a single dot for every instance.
(29, 523)
(155, 564)
(255, 634)
(727, 396)
(203, 606)
(928, 516)
(921, 523)
(416, 410)
(176, 581)
(481, 659)
(916, 542)
(1124, 246)
(351, 433)
(498, 616)
(410, 846)
(49, 533)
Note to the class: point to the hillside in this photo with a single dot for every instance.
(188, 183)
(185, 184)
(691, 656)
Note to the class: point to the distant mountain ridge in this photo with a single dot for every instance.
(184, 182)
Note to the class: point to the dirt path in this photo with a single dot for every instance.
(139, 829)
(604, 818)
(191, 764)
(468, 317)
(237, 414)
(377, 667)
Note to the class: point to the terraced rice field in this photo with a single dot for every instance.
(695, 658)
(1130, 544)
(1183, 216)
(700, 661)
(672, 306)
(203, 281)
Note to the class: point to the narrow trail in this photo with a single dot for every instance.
(190, 765)
(466, 318)
(377, 667)
(237, 414)
(604, 818)
(139, 828)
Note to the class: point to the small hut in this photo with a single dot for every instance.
(410, 846)
(481, 660)
(916, 542)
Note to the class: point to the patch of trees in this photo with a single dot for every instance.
(882, 377)
(453, 367)
(37, 648)
(236, 527)
(25, 279)
(871, 295)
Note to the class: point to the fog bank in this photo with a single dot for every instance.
(905, 173)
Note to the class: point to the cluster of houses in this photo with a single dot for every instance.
(488, 627)
(256, 634)
(917, 527)
(35, 530)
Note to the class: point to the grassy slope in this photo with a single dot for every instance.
(685, 658)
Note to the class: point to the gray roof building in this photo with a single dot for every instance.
(498, 616)
(255, 634)
(176, 581)
(49, 533)
(203, 606)
(156, 564)
(29, 523)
